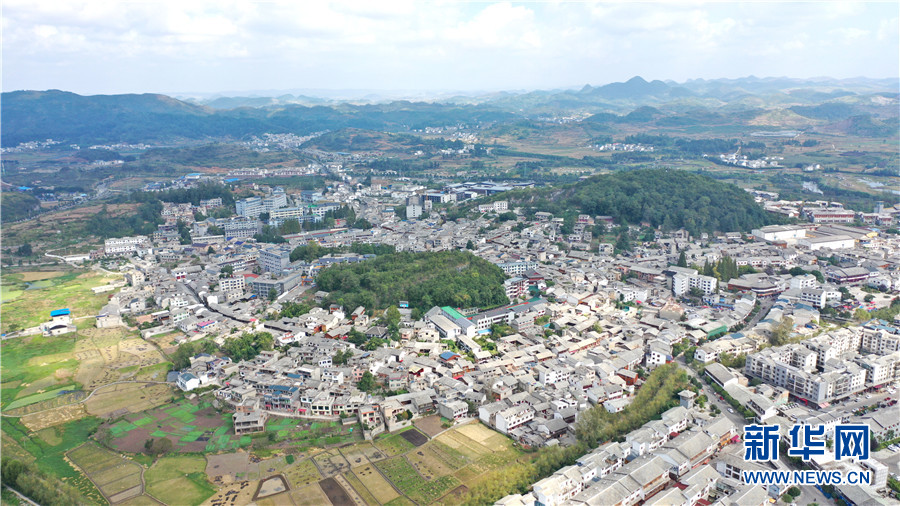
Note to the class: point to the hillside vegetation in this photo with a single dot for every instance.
(670, 199)
(428, 279)
(16, 206)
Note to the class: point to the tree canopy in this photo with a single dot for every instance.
(428, 279)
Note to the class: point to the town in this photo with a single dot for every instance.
(774, 326)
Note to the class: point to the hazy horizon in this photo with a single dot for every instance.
(204, 47)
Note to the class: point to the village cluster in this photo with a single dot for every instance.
(585, 326)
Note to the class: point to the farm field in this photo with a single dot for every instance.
(124, 398)
(394, 471)
(48, 449)
(28, 303)
(305, 435)
(179, 480)
(192, 427)
(117, 478)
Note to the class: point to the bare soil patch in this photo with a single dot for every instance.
(270, 486)
(415, 437)
(335, 493)
(430, 425)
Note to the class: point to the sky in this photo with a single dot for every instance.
(207, 47)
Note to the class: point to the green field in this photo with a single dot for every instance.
(393, 444)
(23, 307)
(179, 480)
(34, 361)
(50, 456)
(306, 435)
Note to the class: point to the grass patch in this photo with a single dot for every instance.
(31, 399)
(393, 444)
(179, 480)
(50, 457)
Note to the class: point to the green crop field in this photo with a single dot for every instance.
(393, 444)
(27, 304)
(179, 480)
(51, 456)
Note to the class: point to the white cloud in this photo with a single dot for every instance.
(407, 44)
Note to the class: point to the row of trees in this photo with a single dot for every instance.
(39, 486)
(313, 250)
(275, 234)
(243, 347)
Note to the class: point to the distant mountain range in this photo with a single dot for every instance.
(839, 105)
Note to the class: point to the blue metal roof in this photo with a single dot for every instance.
(60, 312)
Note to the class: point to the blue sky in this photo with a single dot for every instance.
(210, 46)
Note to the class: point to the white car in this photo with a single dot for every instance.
(868, 396)
(730, 410)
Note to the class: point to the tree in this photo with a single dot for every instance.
(264, 216)
(228, 270)
(623, 243)
(470, 245)
(156, 447)
(682, 259)
(782, 332)
(869, 298)
(25, 250)
(184, 232)
(273, 294)
(341, 357)
(210, 251)
(181, 359)
(367, 382)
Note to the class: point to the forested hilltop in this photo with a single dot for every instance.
(670, 199)
(454, 278)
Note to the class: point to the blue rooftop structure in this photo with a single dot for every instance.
(60, 312)
(448, 355)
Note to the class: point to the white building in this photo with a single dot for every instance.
(124, 245)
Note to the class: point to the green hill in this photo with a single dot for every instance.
(16, 206)
(670, 199)
(443, 278)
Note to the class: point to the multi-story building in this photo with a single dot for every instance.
(234, 285)
(515, 288)
(265, 284)
(831, 216)
(274, 201)
(793, 367)
(517, 268)
(241, 227)
(682, 283)
(250, 207)
(275, 260)
(124, 245)
(880, 342)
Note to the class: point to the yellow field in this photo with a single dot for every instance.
(301, 473)
(52, 417)
(117, 478)
(39, 275)
(131, 397)
(375, 483)
(244, 489)
(311, 495)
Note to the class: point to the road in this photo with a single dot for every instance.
(713, 397)
(765, 305)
